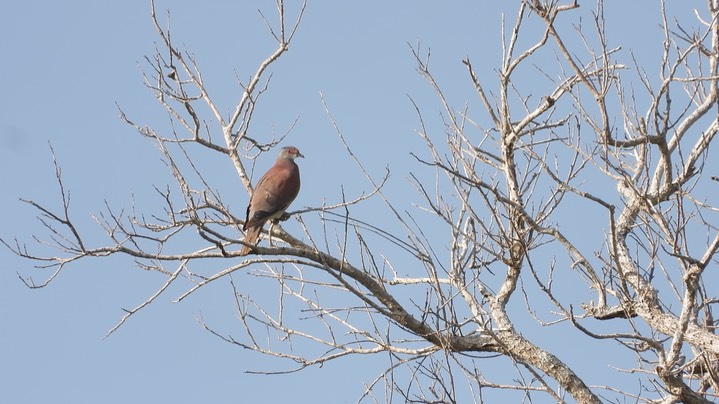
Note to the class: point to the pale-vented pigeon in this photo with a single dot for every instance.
(273, 195)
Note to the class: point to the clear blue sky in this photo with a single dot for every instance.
(65, 65)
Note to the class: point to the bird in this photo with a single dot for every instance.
(274, 193)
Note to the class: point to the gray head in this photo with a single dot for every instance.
(289, 153)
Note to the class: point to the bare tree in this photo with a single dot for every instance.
(611, 148)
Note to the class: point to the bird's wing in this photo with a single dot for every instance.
(274, 193)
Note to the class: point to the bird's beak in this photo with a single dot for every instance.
(300, 155)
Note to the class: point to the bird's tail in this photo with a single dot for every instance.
(251, 236)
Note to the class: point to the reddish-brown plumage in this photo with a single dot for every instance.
(273, 194)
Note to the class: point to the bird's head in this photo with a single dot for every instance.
(290, 153)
